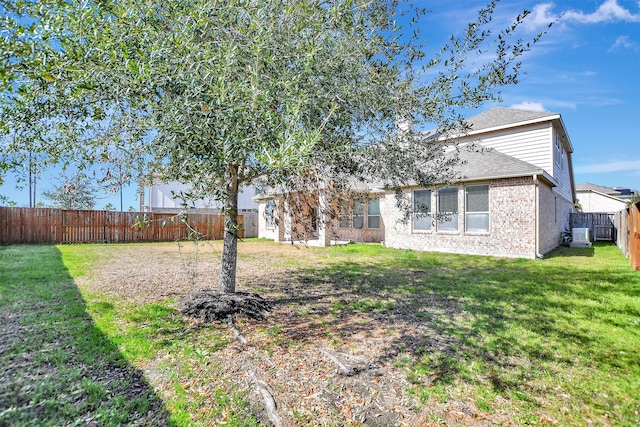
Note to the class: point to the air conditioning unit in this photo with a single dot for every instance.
(580, 238)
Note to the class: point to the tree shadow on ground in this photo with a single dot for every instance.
(57, 367)
(508, 315)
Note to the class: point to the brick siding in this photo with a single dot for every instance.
(512, 230)
(554, 217)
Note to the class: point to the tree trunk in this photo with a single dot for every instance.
(230, 245)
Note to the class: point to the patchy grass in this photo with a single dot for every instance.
(553, 339)
(56, 365)
(466, 340)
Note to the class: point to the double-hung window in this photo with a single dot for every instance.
(477, 208)
(344, 213)
(270, 213)
(373, 213)
(422, 210)
(448, 209)
(358, 213)
(558, 152)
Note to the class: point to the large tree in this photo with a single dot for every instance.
(222, 94)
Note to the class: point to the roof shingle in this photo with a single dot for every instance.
(499, 117)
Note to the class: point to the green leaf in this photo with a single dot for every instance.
(48, 77)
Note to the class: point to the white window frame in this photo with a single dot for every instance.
(445, 218)
(558, 152)
(376, 202)
(468, 212)
(358, 211)
(355, 213)
(344, 213)
(421, 221)
(270, 214)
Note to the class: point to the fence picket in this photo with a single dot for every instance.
(48, 225)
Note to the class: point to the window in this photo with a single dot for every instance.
(558, 152)
(422, 210)
(448, 209)
(373, 213)
(344, 213)
(358, 213)
(270, 213)
(314, 219)
(477, 208)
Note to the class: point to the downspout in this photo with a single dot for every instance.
(537, 216)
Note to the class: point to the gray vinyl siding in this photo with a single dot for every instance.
(532, 144)
(561, 173)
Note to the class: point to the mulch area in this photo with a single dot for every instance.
(321, 366)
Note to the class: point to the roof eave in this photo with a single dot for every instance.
(472, 132)
(603, 195)
(548, 118)
(539, 173)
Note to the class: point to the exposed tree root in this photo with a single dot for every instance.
(343, 369)
(270, 405)
(210, 305)
(236, 332)
(348, 369)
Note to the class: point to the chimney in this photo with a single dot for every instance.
(404, 123)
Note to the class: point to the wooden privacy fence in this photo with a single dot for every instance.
(628, 221)
(46, 225)
(600, 225)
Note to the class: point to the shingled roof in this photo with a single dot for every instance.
(597, 188)
(492, 164)
(502, 117)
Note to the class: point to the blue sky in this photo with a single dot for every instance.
(587, 68)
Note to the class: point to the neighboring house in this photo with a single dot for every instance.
(597, 198)
(515, 199)
(165, 198)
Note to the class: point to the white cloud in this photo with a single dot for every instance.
(529, 106)
(623, 42)
(612, 166)
(540, 16)
(609, 11)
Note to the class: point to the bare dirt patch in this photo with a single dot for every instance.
(323, 363)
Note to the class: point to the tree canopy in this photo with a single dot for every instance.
(224, 94)
(74, 193)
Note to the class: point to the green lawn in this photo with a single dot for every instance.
(528, 342)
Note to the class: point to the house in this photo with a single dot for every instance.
(162, 197)
(597, 198)
(514, 201)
